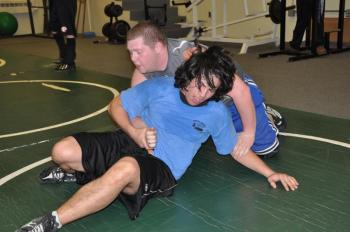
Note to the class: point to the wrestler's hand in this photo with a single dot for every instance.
(151, 138)
(244, 143)
(288, 182)
(186, 55)
(139, 135)
(145, 137)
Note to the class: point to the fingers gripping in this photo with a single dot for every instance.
(151, 137)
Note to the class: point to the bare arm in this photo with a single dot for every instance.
(138, 123)
(253, 162)
(137, 78)
(243, 101)
(145, 137)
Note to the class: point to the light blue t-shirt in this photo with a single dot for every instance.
(181, 129)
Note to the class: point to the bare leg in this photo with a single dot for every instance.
(68, 155)
(124, 176)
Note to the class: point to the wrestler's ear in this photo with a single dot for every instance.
(158, 47)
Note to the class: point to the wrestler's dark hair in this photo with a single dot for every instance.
(214, 62)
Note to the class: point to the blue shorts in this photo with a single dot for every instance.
(266, 139)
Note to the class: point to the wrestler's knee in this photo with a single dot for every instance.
(66, 150)
(126, 172)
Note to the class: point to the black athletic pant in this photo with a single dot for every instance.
(62, 14)
(305, 9)
(62, 23)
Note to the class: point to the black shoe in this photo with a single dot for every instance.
(279, 121)
(65, 67)
(265, 157)
(56, 175)
(269, 155)
(292, 48)
(45, 223)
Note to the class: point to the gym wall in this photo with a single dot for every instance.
(19, 9)
(260, 25)
(98, 18)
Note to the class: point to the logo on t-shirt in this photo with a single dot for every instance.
(199, 126)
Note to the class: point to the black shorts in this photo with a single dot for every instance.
(101, 150)
(62, 14)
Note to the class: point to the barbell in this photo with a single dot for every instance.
(113, 10)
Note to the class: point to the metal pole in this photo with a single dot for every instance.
(213, 18)
(283, 25)
(225, 17)
(29, 5)
(340, 24)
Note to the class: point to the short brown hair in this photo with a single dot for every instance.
(150, 33)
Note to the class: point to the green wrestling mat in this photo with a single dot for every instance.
(38, 106)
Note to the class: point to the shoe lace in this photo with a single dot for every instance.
(58, 173)
(38, 228)
(34, 227)
(273, 112)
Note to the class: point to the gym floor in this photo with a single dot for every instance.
(38, 106)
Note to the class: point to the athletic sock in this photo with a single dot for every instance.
(55, 215)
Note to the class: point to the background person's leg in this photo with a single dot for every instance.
(66, 13)
(304, 13)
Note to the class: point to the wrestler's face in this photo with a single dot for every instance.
(144, 57)
(197, 94)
